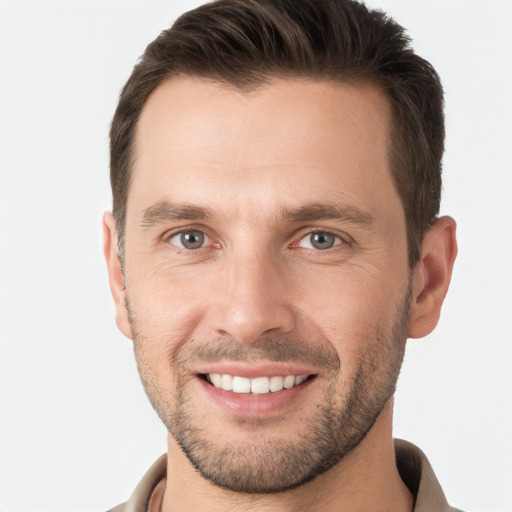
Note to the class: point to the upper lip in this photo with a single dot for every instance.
(253, 371)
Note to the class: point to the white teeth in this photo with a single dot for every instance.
(241, 385)
(260, 385)
(257, 386)
(276, 383)
(300, 379)
(289, 381)
(216, 380)
(227, 382)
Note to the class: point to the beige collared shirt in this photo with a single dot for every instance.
(414, 468)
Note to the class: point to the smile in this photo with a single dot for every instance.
(257, 385)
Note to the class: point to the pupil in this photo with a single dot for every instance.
(192, 239)
(322, 240)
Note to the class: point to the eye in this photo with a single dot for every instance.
(190, 239)
(320, 241)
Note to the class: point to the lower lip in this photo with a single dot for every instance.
(245, 404)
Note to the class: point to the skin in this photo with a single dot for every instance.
(252, 164)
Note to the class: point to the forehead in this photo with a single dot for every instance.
(290, 140)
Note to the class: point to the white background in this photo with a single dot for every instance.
(76, 430)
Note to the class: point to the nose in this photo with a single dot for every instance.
(253, 299)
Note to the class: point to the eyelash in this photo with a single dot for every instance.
(340, 240)
(190, 230)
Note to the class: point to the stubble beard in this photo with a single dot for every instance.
(270, 464)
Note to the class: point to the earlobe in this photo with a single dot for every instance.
(431, 277)
(115, 274)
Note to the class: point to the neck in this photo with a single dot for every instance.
(366, 479)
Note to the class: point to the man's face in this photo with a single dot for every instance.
(266, 251)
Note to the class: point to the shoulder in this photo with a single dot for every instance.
(417, 473)
(141, 497)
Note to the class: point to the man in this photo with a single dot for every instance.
(275, 239)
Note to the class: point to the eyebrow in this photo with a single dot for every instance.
(345, 213)
(164, 212)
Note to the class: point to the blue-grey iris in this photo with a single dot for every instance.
(192, 239)
(322, 240)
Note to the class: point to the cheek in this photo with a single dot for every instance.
(165, 304)
(353, 309)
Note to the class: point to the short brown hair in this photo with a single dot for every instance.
(247, 42)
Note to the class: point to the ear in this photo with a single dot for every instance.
(431, 277)
(115, 274)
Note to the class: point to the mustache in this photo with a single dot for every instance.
(276, 349)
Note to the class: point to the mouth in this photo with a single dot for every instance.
(261, 385)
